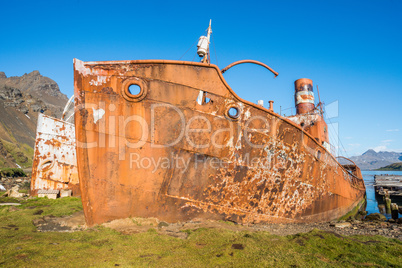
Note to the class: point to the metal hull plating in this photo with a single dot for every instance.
(176, 152)
(55, 163)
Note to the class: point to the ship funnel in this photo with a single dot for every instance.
(304, 96)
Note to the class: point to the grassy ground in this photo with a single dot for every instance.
(22, 245)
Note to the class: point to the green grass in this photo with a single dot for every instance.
(21, 153)
(27, 149)
(22, 246)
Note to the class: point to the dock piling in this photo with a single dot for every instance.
(394, 211)
(388, 205)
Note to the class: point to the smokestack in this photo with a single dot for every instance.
(304, 96)
(271, 105)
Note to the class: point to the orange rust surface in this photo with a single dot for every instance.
(314, 124)
(55, 163)
(173, 151)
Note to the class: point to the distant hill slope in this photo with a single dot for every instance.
(392, 167)
(371, 160)
(21, 99)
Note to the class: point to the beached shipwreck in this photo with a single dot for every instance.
(55, 163)
(170, 139)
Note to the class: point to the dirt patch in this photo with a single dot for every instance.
(75, 222)
(237, 246)
(140, 225)
(38, 212)
(21, 256)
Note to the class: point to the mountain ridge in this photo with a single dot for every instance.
(21, 99)
(372, 160)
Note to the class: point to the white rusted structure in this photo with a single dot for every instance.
(55, 161)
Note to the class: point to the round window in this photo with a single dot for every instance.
(134, 89)
(233, 112)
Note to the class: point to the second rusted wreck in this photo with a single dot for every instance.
(55, 162)
(171, 139)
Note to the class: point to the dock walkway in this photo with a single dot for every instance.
(388, 183)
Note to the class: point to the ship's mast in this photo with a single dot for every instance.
(207, 58)
(203, 45)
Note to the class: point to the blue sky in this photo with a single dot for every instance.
(351, 49)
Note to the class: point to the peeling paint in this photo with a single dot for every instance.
(98, 114)
(100, 80)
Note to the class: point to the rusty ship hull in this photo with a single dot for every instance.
(55, 163)
(175, 150)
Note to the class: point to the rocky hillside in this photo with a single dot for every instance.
(371, 160)
(21, 99)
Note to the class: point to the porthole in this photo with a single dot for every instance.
(233, 112)
(134, 90)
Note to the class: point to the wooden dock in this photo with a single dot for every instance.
(390, 185)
